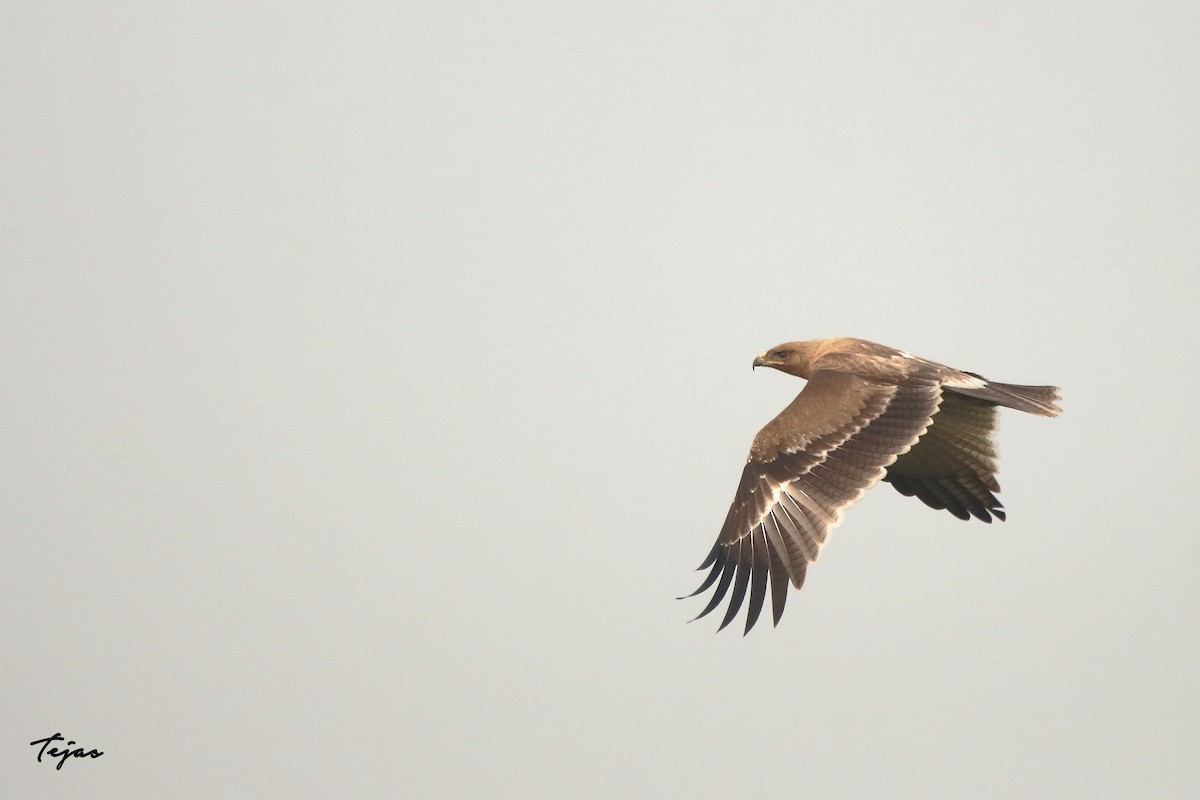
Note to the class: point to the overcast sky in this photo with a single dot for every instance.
(374, 376)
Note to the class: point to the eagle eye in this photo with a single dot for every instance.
(781, 354)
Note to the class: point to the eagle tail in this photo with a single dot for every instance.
(1038, 400)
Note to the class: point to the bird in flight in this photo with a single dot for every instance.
(868, 413)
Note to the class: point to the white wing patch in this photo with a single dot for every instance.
(966, 382)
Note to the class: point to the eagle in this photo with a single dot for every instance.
(867, 413)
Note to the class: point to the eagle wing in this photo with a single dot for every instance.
(817, 457)
(953, 467)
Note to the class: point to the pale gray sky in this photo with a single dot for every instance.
(375, 374)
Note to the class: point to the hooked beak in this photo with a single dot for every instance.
(758, 362)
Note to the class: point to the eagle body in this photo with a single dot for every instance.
(868, 413)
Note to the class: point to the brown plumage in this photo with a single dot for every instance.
(868, 413)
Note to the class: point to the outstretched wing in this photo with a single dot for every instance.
(806, 466)
(953, 467)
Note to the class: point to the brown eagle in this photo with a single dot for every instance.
(869, 412)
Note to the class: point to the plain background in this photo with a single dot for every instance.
(374, 376)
